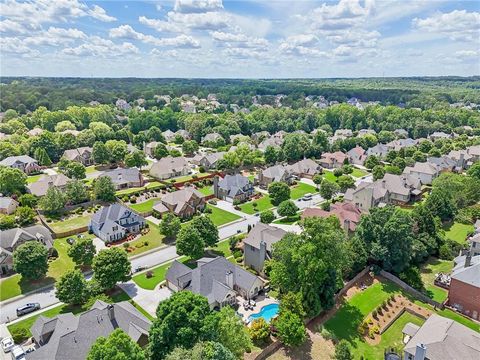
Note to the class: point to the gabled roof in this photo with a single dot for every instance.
(422, 168)
(123, 175)
(169, 165)
(24, 159)
(234, 184)
(470, 274)
(275, 172)
(40, 187)
(305, 166)
(108, 216)
(266, 233)
(9, 238)
(72, 154)
(5, 202)
(343, 211)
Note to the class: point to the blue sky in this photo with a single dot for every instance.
(239, 39)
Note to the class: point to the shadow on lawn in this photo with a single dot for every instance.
(30, 285)
(345, 323)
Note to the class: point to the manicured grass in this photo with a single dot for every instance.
(153, 238)
(15, 285)
(357, 173)
(188, 177)
(220, 217)
(301, 189)
(33, 178)
(262, 204)
(428, 271)
(206, 190)
(71, 223)
(287, 220)
(458, 232)
(144, 206)
(90, 169)
(133, 190)
(329, 176)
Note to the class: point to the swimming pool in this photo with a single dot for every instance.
(267, 312)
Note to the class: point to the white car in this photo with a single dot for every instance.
(18, 353)
(7, 344)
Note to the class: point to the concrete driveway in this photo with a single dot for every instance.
(147, 299)
(99, 244)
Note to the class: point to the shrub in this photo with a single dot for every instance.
(233, 241)
(52, 253)
(208, 210)
(19, 335)
(237, 253)
(149, 274)
(126, 245)
(145, 243)
(133, 199)
(239, 260)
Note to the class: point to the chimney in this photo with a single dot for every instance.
(420, 352)
(263, 250)
(346, 225)
(111, 312)
(229, 278)
(215, 186)
(468, 259)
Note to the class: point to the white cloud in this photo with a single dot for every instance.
(159, 25)
(467, 54)
(189, 6)
(8, 26)
(200, 21)
(355, 37)
(127, 32)
(456, 25)
(340, 16)
(238, 40)
(14, 46)
(100, 14)
(98, 46)
(55, 36)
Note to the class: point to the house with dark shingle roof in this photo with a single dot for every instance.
(70, 337)
(40, 187)
(274, 173)
(217, 279)
(357, 155)
(233, 187)
(124, 178)
(257, 246)
(305, 168)
(169, 167)
(114, 222)
(7, 205)
(11, 239)
(184, 203)
(24, 163)
(82, 155)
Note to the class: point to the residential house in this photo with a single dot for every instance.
(124, 178)
(440, 338)
(464, 291)
(219, 280)
(396, 145)
(82, 155)
(474, 152)
(169, 167)
(343, 133)
(188, 107)
(11, 239)
(392, 189)
(347, 213)
(305, 168)
(24, 163)
(183, 203)
(474, 241)
(443, 163)
(365, 132)
(274, 173)
(208, 161)
(212, 137)
(149, 148)
(122, 104)
(168, 135)
(70, 337)
(261, 135)
(114, 222)
(437, 135)
(7, 205)
(184, 134)
(333, 160)
(357, 155)
(425, 172)
(379, 150)
(279, 135)
(257, 246)
(36, 131)
(401, 133)
(233, 188)
(239, 137)
(463, 160)
(270, 141)
(40, 187)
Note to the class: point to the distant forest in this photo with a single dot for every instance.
(24, 94)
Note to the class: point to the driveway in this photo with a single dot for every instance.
(147, 299)
(99, 244)
(228, 206)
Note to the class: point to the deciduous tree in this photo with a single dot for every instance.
(82, 252)
(170, 226)
(278, 192)
(117, 346)
(71, 288)
(31, 260)
(110, 266)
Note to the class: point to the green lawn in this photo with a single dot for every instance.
(145, 206)
(262, 204)
(153, 238)
(301, 189)
(71, 223)
(133, 190)
(188, 177)
(90, 169)
(220, 217)
(206, 190)
(458, 232)
(357, 173)
(14, 285)
(287, 220)
(33, 178)
(329, 176)
(428, 271)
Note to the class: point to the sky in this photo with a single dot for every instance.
(239, 39)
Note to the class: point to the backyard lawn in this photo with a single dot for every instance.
(145, 206)
(428, 271)
(329, 176)
(33, 178)
(458, 232)
(357, 173)
(133, 190)
(188, 177)
(287, 220)
(71, 223)
(220, 217)
(206, 190)
(262, 204)
(301, 189)
(13, 286)
(154, 240)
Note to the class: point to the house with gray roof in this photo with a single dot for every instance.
(233, 188)
(474, 152)
(425, 172)
(396, 145)
(392, 189)
(305, 168)
(7, 205)
(82, 155)
(357, 155)
(184, 203)
(212, 137)
(40, 187)
(333, 160)
(217, 279)
(463, 160)
(124, 178)
(379, 150)
(437, 135)
(184, 134)
(209, 160)
(443, 163)
(24, 163)
(401, 133)
(168, 135)
(365, 132)
(270, 141)
(440, 338)
(275, 173)
(257, 246)
(11, 239)
(70, 337)
(169, 167)
(114, 222)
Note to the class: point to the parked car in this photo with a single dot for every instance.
(17, 353)
(140, 268)
(7, 344)
(27, 308)
(307, 197)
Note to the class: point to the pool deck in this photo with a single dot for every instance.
(260, 301)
